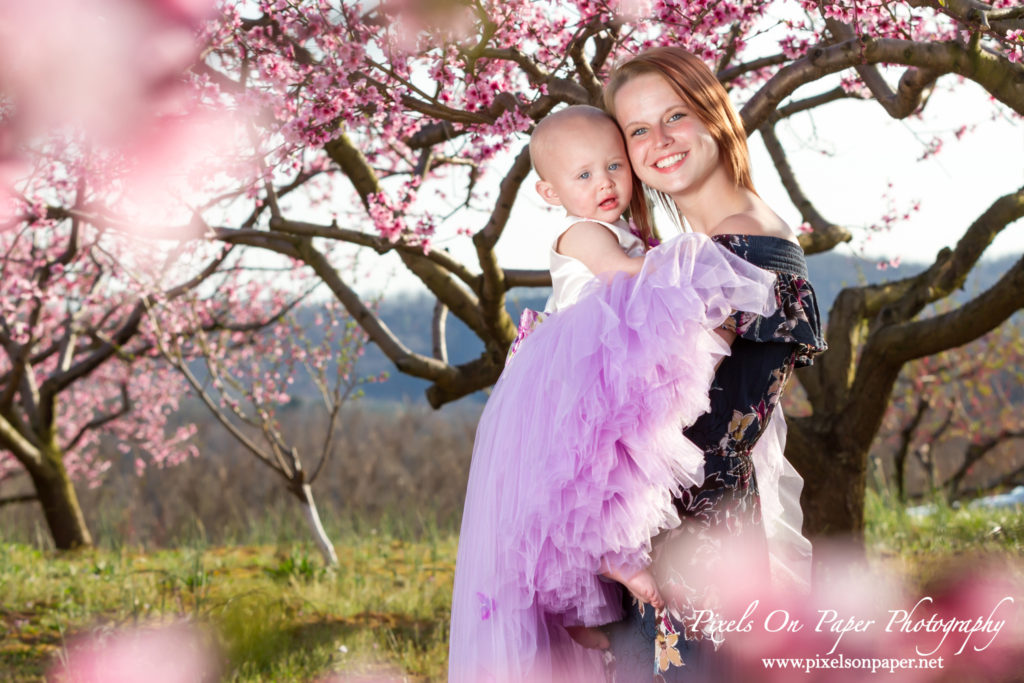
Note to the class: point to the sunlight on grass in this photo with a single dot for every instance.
(277, 614)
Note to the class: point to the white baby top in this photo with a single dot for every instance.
(569, 276)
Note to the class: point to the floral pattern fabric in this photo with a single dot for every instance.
(528, 322)
(724, 513)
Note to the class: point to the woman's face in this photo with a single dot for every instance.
(669, 146)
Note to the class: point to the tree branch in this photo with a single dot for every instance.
(404, 359)
(96, 423)
(812, 102)
(469, 377)
(493, 287)
(527, 278)
(437, 327)
(902, 300)
(463, 303)
(584, 70)
(177, 361)
(18, 498)
(57, 382)
(906, 438)
(355, 166)
(985, 312)
(13, 440)
(994, 73)
(825, 234)
(734, 72)
(914, 87)
(975, 452)
(378, 244)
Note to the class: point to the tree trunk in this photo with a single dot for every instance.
(60, 503)
(834, 505)
(305, 495)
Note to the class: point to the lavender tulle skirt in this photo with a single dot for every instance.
(578, 454)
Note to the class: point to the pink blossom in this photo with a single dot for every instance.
(175, 654)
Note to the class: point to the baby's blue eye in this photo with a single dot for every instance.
(614, 166)
(584, 175)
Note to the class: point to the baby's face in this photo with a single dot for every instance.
(586, 170)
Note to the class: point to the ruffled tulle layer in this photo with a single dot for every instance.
(779, 486)
(578, 453)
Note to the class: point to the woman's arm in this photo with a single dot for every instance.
(598, 249)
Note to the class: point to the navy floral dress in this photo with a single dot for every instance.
(747, 387)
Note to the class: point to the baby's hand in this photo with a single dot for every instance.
(644, 588)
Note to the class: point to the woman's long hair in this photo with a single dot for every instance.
(693, 81)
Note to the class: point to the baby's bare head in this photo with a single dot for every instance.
(556, 130)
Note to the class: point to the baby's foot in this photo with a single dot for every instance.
(644, 588)
(589, 637)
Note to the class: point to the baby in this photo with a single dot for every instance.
(579, 154)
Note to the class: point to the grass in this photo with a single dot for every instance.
(921, 548)
(276, 614)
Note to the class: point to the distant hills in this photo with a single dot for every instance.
(409, 317)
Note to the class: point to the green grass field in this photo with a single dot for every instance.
(276, 615)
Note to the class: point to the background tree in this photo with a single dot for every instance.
(405, 106)
(379, 124)
(76, 364)
(88, 177)
(955, 415)
(243, 379)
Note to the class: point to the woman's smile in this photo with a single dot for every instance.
(670, 148)
(670, 163)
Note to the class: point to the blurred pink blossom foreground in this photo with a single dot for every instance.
(175, 654)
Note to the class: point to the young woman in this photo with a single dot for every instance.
(578, 453)
(688, 147)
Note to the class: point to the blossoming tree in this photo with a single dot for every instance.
(88, 180)
(963, 403)
(244, 380)
(378, 124)
(390, 113)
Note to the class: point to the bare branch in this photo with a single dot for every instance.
(492, 290)
(478, 374)
(527, 278)
(974, 453)
(985, 312)
(438, 329)
(734, 72)
(902, 300)
(825, 234)
(992, 72)
(280, 243)
(218, 414)
(379, 244)
(18, 498)
(21, 446)
(463, 303)
(355, 166)
(906, 438)
(338, 399)
(812, 102)
(914, 87)
(403, 358)
(584, 69)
